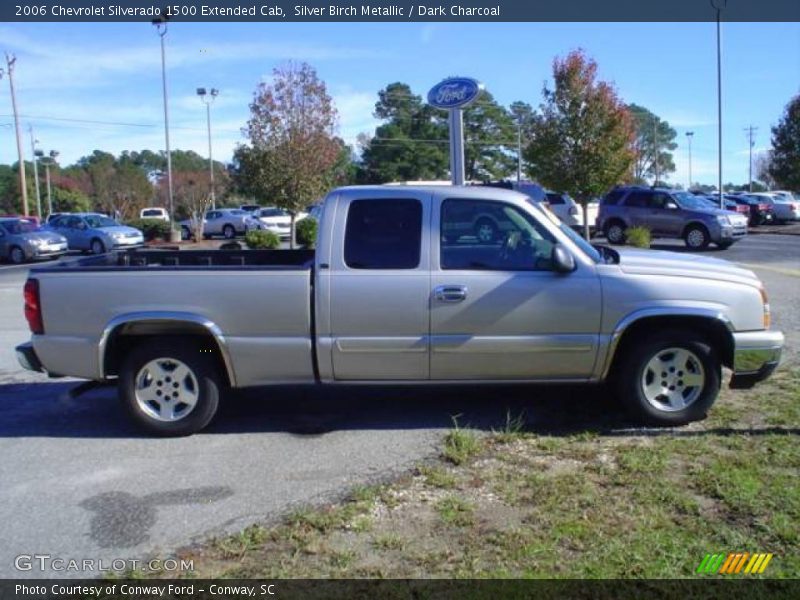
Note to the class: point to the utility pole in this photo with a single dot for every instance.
(10, 60)
(751, 142)
(519, 149)
(35, 173)
(719, 5)
(689, 135)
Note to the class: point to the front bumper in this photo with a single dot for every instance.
(756, 355)
(26, 356)
(128, 242)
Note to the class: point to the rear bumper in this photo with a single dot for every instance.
(756, 355)
(26, 356)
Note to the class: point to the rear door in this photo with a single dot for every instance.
(379, 286)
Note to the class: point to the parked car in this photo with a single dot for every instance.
(784, 205)
(570, 212)
(33, 219)
(22, 240)
(760, 212)
(278, 220)
(729, 204)
(154, 212)
(227, 222)
(95, 232)
(668, 213)
(389, 297)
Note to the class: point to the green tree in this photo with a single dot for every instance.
(784, 166)
(292, 155)
(410, 145)
(655, 141)
(583, 136)
(489, 134)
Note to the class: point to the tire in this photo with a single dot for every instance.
(615, 232)
(97, 247)
(229, 232)
(198, 388)
(485, 231)
(696, 237)
(16, 255)
(672, 358)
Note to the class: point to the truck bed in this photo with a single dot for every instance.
(189, 259)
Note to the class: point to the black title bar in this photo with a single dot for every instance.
(399, 10)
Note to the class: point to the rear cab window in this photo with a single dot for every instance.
(383, 234)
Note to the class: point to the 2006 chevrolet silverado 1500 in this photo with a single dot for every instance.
(401, 288)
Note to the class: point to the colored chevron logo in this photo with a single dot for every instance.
(735, 563)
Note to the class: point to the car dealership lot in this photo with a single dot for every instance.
(79, 482)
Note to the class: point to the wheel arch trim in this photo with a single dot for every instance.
(113, 326)
(710, 314)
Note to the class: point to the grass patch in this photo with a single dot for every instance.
(460, 444)
(634, 504)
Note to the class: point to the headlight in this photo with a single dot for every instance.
(723, 220)
(37, 242)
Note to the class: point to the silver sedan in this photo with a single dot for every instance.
(21, 240)
(227, 222)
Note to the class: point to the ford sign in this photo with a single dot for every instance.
(455, 92)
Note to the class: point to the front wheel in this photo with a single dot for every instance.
(97, 247)
(669, 378)
(169, 387)
(615, 233)
(696, 237)
(16, 255)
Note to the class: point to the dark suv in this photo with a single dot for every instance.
(668, 213)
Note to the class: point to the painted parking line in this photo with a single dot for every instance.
(781, 270)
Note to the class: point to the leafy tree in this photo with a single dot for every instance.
(67, 200)
(655, 141)
(409, 146)
(293, 153)
(489, 130)
(583, 137)
(119, 186)
(523, 116)
(785, 164)
(762, 164)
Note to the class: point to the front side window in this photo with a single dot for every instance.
(383, 234)
(487, 235)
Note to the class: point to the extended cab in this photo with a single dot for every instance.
(401, 289)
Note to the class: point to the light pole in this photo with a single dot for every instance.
(47, 162)
(719, 5)
(689, 136)
(161, 27)
(519, 149)
(23, 184)
(34, 141)
(207, 97)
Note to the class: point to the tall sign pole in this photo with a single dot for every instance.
(454, 94)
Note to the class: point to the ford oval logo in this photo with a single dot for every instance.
(454, 92)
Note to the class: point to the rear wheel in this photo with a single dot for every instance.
(485, 231)
(615, 232)
(696, 237)
(669, 378)
(169, 387)
(16, 255)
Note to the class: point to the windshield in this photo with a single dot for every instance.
(15, 227)
(686, 200)
(96, 221)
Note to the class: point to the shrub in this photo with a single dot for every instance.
(638, 237)
(262, 240)
(306, 232)
(151, 228)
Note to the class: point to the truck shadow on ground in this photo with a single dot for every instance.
(49, 410)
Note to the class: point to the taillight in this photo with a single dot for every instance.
(33, 309)
(762, 207)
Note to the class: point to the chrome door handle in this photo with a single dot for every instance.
(450, 293)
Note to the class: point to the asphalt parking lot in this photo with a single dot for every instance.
(79, 483)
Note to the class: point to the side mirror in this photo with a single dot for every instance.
(563, 261)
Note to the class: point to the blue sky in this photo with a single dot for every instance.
(111, 73)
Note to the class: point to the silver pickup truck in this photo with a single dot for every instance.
(403, 289)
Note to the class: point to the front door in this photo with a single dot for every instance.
(499, 311)
(379, 285)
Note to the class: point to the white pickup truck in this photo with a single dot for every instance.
(403, 289)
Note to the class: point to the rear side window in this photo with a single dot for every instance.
(613, 197)
(639, 199)
(383, 234)
(555, 199)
